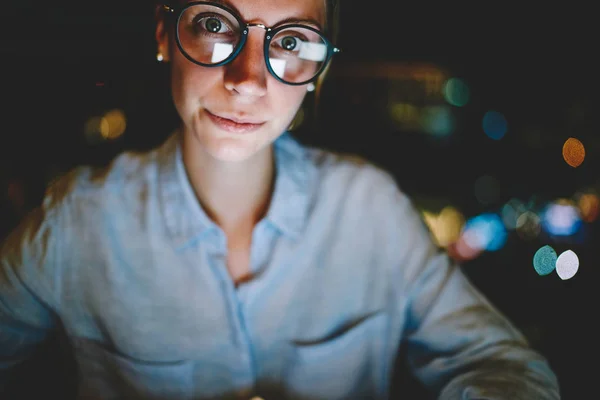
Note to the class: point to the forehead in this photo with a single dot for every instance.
(271, 12)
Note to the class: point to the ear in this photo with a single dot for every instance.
(162, 34)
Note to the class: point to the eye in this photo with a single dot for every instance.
(289, 43)
(213, 25)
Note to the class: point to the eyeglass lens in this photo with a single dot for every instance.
(209, 35)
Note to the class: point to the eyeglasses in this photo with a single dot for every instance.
(211, 35)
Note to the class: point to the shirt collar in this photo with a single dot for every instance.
(188, 223)
(294, 185)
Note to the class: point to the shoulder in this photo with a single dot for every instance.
(349, 186)
(81, 190)
(128, 172)
(354, 176)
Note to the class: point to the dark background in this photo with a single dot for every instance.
(65, 62)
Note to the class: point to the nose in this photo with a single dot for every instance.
(247, 74)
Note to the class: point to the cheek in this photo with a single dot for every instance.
(289, 100)
(191, 83)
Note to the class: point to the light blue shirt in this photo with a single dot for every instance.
(345, 272)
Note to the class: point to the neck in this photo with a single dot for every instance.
(232, 194)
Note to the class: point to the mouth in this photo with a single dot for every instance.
(234, 124)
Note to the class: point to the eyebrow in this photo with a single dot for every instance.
(289, 20)
(292, 20)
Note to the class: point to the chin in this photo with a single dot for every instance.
(231, 149)
(231, 154)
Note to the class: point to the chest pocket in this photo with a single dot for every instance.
(104, 374)
(343, 366)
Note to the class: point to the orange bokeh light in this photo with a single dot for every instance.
(573, 152)
(589, 207)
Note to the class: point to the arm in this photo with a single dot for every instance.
(27, 260)
(458, 344)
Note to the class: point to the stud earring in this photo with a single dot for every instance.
(160, 57)
(310, 87)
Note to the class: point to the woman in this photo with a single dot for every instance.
(232, 261)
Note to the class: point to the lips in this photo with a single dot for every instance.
(233, 123)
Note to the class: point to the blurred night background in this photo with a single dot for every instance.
(485, 115)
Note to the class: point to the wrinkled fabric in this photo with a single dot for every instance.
(344, 272)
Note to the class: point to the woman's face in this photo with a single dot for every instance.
(235, 111)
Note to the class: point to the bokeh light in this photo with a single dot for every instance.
(544, 260)
(589, 206)
(110, 126)
(567, 265)
(511, 212)
(445, 226)
(456, 92)
(113, 124)
(461, 251)
(529, 225)
(404, 115)
(561, 218)
(437, 120)
(573, 152)
(495, 125)
(485, 232)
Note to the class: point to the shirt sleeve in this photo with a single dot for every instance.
(28, 258)
(458, 344)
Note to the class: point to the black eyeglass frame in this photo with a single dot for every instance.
(270, 32)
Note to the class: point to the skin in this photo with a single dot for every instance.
(233, 173)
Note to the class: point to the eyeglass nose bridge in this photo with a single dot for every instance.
(263, 26)
(245, 33)
(257, 25)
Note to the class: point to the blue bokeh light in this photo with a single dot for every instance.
(486, 232)
(495, 125)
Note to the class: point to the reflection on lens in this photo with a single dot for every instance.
(278, 66)
(220, 52)
(297, 54)
(208, 34)
(316, 52)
